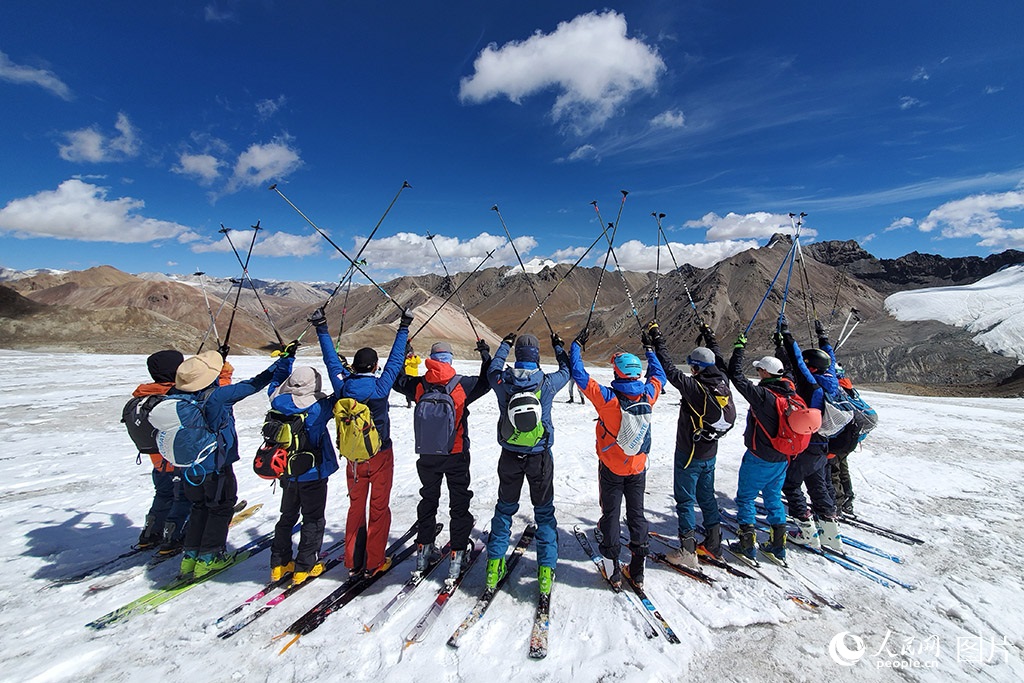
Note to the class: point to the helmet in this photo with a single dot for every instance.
(701, 357)
(806, 421)
(816, 359)
(627, 366)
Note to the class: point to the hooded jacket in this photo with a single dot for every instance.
(761, 398)
(510, 381)
(317, 417)
(609, 413)
(812, 386)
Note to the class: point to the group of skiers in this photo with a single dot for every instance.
(193, 504)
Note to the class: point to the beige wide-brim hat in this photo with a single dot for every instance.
(198, 372)
(304, 385)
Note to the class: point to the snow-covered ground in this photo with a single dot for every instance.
(991, 308)
(949, 471)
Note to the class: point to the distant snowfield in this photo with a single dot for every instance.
(992, 308)
(950, 471)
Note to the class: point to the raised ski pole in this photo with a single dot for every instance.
(835, 302)
(339, 249)
(792, 260)
(675, 265)
(523, 266)
(657, 268)
(622, 275)
(469, 319)
(245, 272)
(604, 266)
(443, 303)
(238, 294)
(223, 302)
(213, 320)
(562, 279)
(788, 257)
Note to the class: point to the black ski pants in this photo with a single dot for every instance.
(310, 499)
(613, 488)
(810, 468)
(213, 504)
(433, 469)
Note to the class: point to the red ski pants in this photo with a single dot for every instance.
(369, 482)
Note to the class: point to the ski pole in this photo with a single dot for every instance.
(523, 266)
(245, 273)
(847, 322)
(675, 265)
(622, 275)
(223, 302)
(338, 249)
(657, 270)
(469, 319)
(843, 336)
(843, 340)
(835, 302)
(604, 266)
(782, 265)
(449, 298)
(209, 309)
(238, 294)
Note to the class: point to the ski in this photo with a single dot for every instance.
(114, 561)
(539, 633)
(649, 630)
(130, 573)
(346, 592)
(704, 557)
(899, 536)
(418, 632)
(867, 548)
(176, 587)
(484, 601)
(670, 635)
(696, 575)
(403, 594)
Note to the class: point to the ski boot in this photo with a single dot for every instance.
(278, 572)
(746, 542)
(775, 548)
(188, 563)
(496, 570)
(686, 555)
(210, 563)
(613, 571)
(636, 567)
(149, 538)
(712, 544)
(300, 575)
(545, 577)
(828, 530)
(426, 555)
(455, 566)
(807, 535)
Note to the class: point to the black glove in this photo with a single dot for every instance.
(509, 339)
(819, 329)
(654, 332)
(344, 362)
(482, 347)
(317, 318)
(582, 338)
(406, 319)
(223, 351)
(741, 341)
(783, 325)
(708, 334)
(289, 349)
(556, 341)
(645, 339)
(778, 339)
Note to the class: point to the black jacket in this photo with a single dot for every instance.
(761, 398)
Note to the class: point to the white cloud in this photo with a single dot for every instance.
(263, 162)
(589, 60)
(568, 255)
(993, 89)
(900, 223)
(267, 244)
(759, 224)
(637, 256)
(979, 216)
(89, 144)
(867, 238)
(581, 153)
(267, 108)
(920, 74)
(203, 167)
(77, 210)
(907, 102)
(673, 118)
(213, 13)
(409, 253)
(30, 75)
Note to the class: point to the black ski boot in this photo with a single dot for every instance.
(775, 548)
(712, 544)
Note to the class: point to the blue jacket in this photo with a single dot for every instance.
(219, 413)
(509, 381)
(812, 386)
(366, 387)
(317, 417)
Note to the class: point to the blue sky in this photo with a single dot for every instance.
(132, 131)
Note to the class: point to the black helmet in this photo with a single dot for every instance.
(816, 359)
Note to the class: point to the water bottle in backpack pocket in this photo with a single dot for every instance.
(520, 422)
(433, 420)
(184, 437)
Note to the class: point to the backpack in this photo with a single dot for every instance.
(433, 420)
(520, 422)
(135, 417)
(358, 438)
(635, 427)
(705, 429)
(286, 450)
(792, 439)
(864, 416)
(184, 438)
(836, 414)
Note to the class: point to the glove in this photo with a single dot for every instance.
(223, 351)
(344, 362)
(482, 347)
(819, 329)
(509, 339)
(778, 339)
(582, 338)
(289, 349)
(317, 318)
(741, 341)
(783, 325)
(556, 340)
(406, 319)
(645, 339)
(654, 332)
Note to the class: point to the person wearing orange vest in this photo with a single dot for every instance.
(621, 474)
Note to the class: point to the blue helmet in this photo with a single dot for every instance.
(627, 366)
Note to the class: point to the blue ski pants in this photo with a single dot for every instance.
(538, 469)
(760, 476)
(694, 484)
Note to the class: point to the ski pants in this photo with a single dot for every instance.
(760, 476)
(433, 469)
(369, 482)
(810, 468)
(213, 503)
(694, 484)
(842, 483)
(538, 469)
(612, 489)
(170, 506)
(310, 499)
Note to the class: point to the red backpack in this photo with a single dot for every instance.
(797, 423)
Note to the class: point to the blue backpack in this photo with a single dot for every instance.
(433, 420)
(183, 436)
